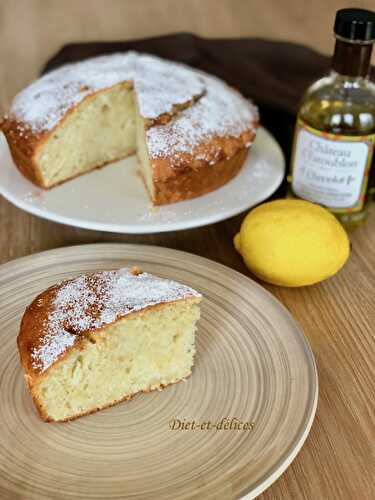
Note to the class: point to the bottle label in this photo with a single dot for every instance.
(331, 169)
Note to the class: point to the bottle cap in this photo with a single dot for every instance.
(356, 25)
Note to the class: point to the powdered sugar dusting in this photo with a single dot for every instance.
(159, 85)
(92, 301)
(52, 347)
(220, 112)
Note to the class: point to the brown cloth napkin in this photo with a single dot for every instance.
(273, 74)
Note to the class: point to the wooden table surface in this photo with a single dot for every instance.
(338, 316)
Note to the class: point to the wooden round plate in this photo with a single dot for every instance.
(253, 366)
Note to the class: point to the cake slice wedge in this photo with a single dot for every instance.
(98, 339)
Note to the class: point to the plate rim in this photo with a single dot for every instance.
(290, 454)
(154, 228)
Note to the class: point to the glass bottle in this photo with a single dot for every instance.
(332, 157)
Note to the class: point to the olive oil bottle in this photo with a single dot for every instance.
(333, 151)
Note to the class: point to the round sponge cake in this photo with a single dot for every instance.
(190, 130)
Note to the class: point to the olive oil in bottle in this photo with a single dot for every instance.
(334, 141)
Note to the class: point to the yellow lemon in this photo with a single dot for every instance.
(292, 243)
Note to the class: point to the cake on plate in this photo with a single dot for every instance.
(190, 130)
(95, 340)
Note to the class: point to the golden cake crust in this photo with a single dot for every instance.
(23, 145)
(172, 185)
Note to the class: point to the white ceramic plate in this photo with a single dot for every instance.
(252, 364)
(114, 198)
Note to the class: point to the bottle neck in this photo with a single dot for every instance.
(352, 59)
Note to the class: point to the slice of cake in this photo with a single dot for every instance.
(98, 339)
